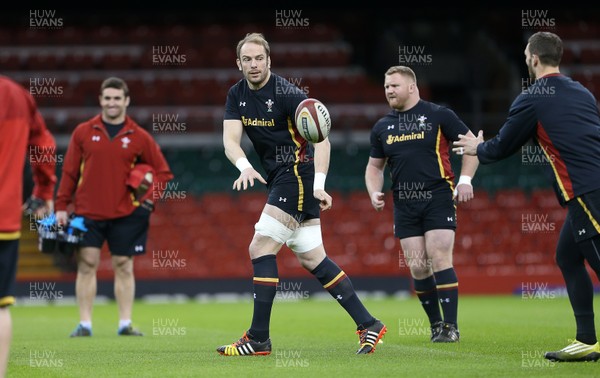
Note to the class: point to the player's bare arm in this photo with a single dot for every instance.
(467, 144)
(322, 153)
(232, 139)
(464, 189)
(374, 181)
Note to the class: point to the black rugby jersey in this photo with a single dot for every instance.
(562, 118)
(416, 144)
(268, 115)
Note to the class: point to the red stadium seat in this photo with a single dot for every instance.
(143, 34)
(6, 36)
(545, 199)
(44, 61)
(72, 97)
(214, 203)
(11, 62)
(118, 61)
(179, 35)
(590, 55)
(31, 37)
(222, 57)
(360, 201)
(570, 56)
(481, 200)
(70, 35)
(106, 34)
(79, 61)
(214, 36)
(252, 202)
(511, 198)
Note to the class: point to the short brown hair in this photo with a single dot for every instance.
(116, 83)
(547, 46)
(402, 70)
(257, 38)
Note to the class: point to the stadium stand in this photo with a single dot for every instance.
(181, 68)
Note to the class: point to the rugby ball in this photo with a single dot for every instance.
(312, 120)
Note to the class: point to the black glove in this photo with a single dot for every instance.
(148, 205)
(32, 205)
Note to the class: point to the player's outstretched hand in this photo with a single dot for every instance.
(463, 192)
(247, 176)
(325, 200)
(377, 200)
(467, 145)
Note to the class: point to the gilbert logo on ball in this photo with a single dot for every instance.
(313, 120)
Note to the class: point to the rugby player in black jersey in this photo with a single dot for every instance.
(561, 117)
(413, 140)
(263, 105)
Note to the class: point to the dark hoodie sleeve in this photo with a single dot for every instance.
(518, 128)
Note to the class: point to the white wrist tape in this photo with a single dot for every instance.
(464, 180)
(242, 163)
(319, 181)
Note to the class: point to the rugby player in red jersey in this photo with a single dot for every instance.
(23, 133)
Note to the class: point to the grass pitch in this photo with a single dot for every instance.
(501, 336)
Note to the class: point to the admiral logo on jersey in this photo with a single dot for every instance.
(265, 115)
(258, 122)
(403, 138)
(425, 132)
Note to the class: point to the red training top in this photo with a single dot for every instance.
(23, 134)
(96, 168)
